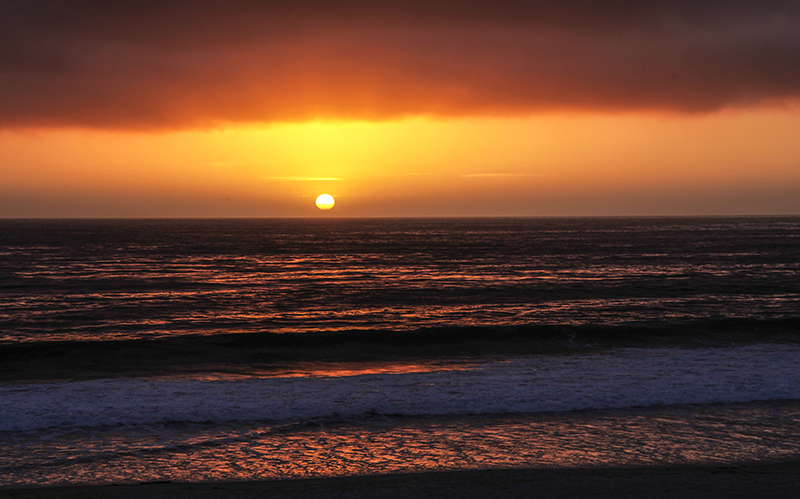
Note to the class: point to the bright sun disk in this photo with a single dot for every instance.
(325, 202)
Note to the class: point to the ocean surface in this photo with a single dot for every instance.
(203, 350)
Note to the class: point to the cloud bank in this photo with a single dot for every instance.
(180, 64)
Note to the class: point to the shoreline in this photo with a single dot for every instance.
(771, 480)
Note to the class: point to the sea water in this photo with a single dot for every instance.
(197, 350)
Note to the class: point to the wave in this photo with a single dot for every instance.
(244, 352)
(618, 378)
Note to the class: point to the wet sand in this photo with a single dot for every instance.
(780, 480)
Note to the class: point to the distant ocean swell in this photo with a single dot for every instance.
(129, 279)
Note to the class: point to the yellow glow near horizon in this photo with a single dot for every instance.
(541, 165)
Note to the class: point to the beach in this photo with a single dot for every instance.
(779, 480)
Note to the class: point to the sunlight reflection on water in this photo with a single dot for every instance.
(678, 435)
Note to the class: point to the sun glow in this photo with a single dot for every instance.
(723, 163)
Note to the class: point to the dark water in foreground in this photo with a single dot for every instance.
(135, 350)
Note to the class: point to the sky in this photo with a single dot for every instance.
(415, 108)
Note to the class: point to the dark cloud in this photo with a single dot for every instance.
(150, 64)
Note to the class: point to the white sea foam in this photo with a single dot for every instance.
(626, 377)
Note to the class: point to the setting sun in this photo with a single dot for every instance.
(325, 202)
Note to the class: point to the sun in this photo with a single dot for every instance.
(325, 202)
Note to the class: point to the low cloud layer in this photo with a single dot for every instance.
(153, 65)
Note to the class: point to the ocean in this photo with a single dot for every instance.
(211, 350)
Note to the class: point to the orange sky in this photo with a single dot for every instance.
(206, 109)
